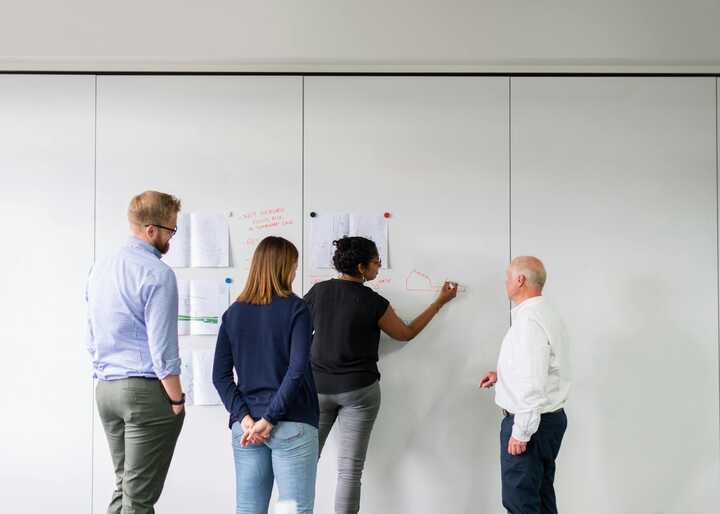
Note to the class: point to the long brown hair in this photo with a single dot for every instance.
(271, 271)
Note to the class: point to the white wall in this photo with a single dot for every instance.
(46, 199)
(613, 183)
(96, 35)
(227, 143)
(433, 152)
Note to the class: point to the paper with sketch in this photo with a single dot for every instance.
(375, 228)
(208, 301)
(184, 307)
(179, 254)
(201, 304)
(202, 240)
(210, 242)
(329, 227)
(204, 392)
(186, 375)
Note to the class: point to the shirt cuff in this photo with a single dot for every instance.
(169, 367)
(520, 435)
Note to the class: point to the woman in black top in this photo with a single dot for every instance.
(347, 318)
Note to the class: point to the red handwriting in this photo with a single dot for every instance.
(264, 220)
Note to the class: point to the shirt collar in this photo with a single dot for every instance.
(134, 242)
(530, 302)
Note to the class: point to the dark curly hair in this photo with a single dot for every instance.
(351, 251)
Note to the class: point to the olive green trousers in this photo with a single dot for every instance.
(141, 430)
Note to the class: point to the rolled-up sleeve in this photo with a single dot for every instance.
(161, 313)
(531, 374)
(89, 336)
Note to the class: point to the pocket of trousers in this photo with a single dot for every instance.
(287, 431)
(151, 401)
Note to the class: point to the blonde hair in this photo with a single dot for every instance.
(271, 271)
(152, 207)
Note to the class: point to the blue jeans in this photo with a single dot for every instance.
(290, 456)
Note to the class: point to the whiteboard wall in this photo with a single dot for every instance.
(46, 198)
(433, 154)
(219, 143)
(614, 184)
(611, 180)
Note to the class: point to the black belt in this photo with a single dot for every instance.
(506, 413)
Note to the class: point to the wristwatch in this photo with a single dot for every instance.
(179, 402)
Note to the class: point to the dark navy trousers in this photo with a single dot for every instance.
(527, 479)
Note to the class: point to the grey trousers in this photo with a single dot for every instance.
(355, 413)
(141, 430)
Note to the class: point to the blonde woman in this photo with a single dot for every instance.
(265, 337)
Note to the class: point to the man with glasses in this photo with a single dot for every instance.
(132, 315)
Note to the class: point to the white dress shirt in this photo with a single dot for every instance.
(533, 373)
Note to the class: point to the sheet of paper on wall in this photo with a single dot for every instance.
(186, 375)
(201, 306)
(375, 228)
(204, 392)
(326, 228)
(202, 240)
(208, 301)
(179, 254)
(184, 307)
(210, 245)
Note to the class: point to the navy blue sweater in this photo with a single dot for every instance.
(269, 348)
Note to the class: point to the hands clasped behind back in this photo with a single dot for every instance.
(255, 432)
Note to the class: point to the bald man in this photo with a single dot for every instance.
(532, 384)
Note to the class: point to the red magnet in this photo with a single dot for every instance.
(386, 215)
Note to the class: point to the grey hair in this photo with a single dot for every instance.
(531, 268)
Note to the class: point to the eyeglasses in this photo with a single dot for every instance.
(171, 230)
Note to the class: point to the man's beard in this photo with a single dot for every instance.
(165, 248)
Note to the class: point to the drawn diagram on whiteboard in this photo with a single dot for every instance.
(418, 281)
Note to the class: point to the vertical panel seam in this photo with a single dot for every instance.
(509, 184)
(717, 239)
(93, 249)
(302, 185)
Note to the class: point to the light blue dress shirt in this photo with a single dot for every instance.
(132, 302)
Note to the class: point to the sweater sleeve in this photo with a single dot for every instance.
(300, 342)
(223, 378)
